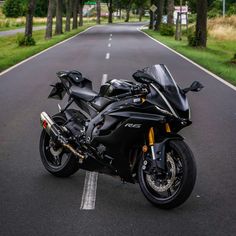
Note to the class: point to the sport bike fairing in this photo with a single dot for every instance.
(168, 87)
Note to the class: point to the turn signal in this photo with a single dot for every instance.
(145, 148)
(168, 128)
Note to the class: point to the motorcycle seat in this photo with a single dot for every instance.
(85, 94)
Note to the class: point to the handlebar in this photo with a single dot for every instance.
(137, 89)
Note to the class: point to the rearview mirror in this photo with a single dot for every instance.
(194, 87)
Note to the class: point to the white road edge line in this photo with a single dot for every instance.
(108, 56)
(109, 45)
(89, 192)
(104, 79)
(110, 35)
(28, 59)
(110, 39)
(194, 63)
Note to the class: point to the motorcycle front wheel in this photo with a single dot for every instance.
(172, 188)
(56, 160)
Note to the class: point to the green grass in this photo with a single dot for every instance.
(216, 57)
(11, 53)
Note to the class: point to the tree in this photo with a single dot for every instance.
(41, 8)
(98, 12)
(141, 5)
(29, 18)
(201, 25)
(160, 8)
(110, 11)
(81, 6)
(59, 17)
(12, 8)
(75, 14)
(128, 4)
(68, 14)
(48, 33)
(170, 12)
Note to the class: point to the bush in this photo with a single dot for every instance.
(192, 18)
(232, 10)
(12, 8)
(214, 13)
(233, 60)
(7, 23)
(192, 40)
(25, 40)
(167, 30)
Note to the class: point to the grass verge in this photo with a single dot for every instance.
(216, 57)
(12, 54)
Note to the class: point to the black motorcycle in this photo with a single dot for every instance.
(127, 129)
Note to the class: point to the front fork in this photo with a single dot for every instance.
(157, 149)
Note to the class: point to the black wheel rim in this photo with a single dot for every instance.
(54, 158)
(163, 189)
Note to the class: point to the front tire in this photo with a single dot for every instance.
(57, 161)
(173, 189)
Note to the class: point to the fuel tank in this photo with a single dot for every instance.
(115, 87)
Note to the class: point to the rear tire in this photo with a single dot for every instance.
(52, 163)
(180, 181)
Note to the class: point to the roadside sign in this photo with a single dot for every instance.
(90, 3)
(153, 8)
(183, 9)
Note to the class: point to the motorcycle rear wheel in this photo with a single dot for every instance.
(59, 161)
(172, 190)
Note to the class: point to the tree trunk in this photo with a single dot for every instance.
(127, 15)
(48, 33)
(170, 12)
(59, 17)
(140, 11)
(110, 11)
(201, 25)
(68, 14)
(75, 14)
(29, 18)
(81, 6)
(160, 7)
(99, 12)
(120, 12)
(128, 8)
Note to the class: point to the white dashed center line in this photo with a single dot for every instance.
(89, 192)
(104, 79)
(90, 182)
(108, 56)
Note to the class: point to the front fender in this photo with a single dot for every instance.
(160, 148)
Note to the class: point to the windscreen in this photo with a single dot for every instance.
(172, 92)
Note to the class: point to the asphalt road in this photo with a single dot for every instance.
(21, 30)
(32, 202)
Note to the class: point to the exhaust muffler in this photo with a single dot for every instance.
(56, 132)
(46, 122)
